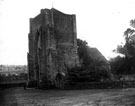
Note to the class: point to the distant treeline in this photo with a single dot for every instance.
(13, 69)
(13, 72)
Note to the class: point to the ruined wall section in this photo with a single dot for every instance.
(32, 55)
(52, 45)
(51, 51)
(65, 35)
(42, 47)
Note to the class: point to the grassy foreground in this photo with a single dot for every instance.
(95, 97)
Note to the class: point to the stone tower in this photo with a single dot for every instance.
(52, 46)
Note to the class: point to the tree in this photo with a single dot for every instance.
(90, 69)
(83, 53)
(117, 65)
(128, 49)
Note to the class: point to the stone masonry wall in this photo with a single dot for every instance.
(52, 45)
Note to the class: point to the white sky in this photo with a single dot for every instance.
(100, 22)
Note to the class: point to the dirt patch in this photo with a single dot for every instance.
(98, 97)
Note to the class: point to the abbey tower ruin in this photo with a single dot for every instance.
(52, 46)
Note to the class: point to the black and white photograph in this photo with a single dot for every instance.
(67, 52)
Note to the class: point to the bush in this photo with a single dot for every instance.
(82, 74)
(102, 85)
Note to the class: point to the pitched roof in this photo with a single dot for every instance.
(96, 54)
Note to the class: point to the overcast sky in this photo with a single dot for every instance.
(100, 22)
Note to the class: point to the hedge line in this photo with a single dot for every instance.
(101, 85)
(85, 85)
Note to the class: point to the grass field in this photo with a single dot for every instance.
(95, 97)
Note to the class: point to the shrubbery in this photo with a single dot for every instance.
(9, 77)
(84, 74)
(90, 70)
